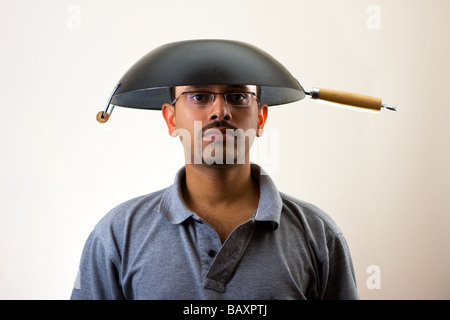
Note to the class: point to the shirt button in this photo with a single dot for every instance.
(212, 253)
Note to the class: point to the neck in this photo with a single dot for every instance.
(214, 185)
(225, 196)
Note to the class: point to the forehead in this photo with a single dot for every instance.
(217, 88)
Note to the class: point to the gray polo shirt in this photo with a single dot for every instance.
(154, 247)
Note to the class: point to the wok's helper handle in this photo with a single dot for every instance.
(347, 98)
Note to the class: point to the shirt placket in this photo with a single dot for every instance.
(222, 267)
(208, 244)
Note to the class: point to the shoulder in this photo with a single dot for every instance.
(131, 213)
(309, 215)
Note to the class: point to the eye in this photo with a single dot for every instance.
(239, 98)
(199, 98)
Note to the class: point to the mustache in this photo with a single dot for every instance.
(218, 124)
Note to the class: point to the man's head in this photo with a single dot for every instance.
(203, 115)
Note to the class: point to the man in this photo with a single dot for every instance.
(222, 230)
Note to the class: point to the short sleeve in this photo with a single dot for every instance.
(338, 276)
(97, 277)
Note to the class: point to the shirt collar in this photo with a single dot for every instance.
(175, 210)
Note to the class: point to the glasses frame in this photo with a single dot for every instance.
(214, 94)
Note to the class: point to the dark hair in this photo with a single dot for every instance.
(172, 94)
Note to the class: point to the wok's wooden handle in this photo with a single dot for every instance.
(347, 98)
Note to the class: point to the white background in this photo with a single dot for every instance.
(384, 178)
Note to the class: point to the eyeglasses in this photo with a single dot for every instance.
(204, 99)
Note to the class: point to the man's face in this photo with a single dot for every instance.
(219, 132)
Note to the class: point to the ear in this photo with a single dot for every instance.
(168, 112)
(263, 110)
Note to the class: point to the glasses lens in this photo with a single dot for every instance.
(239, 99)
(198, 99)
(204, 99)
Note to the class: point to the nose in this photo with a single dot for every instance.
(219, 109)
